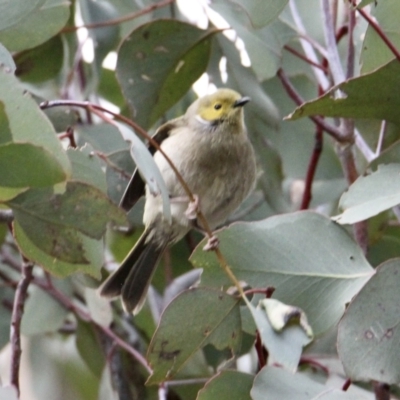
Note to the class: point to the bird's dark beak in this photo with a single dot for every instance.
(241, 102)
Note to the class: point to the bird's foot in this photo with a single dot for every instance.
(212, 243)
(193, 208)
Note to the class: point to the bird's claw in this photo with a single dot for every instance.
(193, 208)
(212, 243)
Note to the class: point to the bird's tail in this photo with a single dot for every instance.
(132, 279)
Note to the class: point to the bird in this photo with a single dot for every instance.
(211, 150)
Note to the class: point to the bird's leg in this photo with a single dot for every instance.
(212, 243)
(193, 206)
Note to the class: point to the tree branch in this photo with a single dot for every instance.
(295, 96)
(312, 167)
(16, 317)
(119, 20)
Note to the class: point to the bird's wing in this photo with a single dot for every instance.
(135, 188)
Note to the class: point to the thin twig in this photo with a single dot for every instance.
(377, 29)
(69, 134)
(295, 96)
(47, 285)
(312, 168)
(313, 363)
(16, 317)
(335, 66)
(307, 47)
(346, 385)
(119, 20)
(65, 301)
(304, 58)
(350, 44)
(137, 128)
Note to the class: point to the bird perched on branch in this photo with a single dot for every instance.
(210, 149)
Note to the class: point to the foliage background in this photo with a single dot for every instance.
(64, 165)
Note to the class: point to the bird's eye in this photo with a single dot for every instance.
(217, 106)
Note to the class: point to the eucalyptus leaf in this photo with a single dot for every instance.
(42, 313)
(30, 65)
(24, 165)
(89, 347)
(367, 96)
(298, 255)
(24, 25)
(285, 346)
(375, 51)
(6, 60)
(8, 393)
(34, 127)
(195, 318)
(151, 174)
(227, 385)
(369, 195)
(86, 167)
(157, 64)
(369, 331)
(275, 383)
(90, 251)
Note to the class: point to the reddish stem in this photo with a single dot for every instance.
(312, 168)
(261, 353)
(304, 58)
(377, 29)
(16, 317)
(346, 385)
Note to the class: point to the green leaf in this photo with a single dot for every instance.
(275, 383)
(86, 167)
(30, 65)
(91, 251)
(5, 131)
(99, 307)
(364, 3)
(81, 207)
(284, 346)
(375, 51)
(369, 331)
(52, 221)
(89, 348)
(298, 255)
(103, 137)
(261, 13)
(151, 174)
(367, 96)
(195, 318)
(24, 25)
(6, 59)
(157, 64)
(264, 46)
(34, 127)
(369, 195)
(104, 38)
(227, 385)
(42, 313)
(24, 165)
(116, 181)
(8, 393)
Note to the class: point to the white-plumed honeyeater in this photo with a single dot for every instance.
(210, 148)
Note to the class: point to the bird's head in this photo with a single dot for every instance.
(223, 106)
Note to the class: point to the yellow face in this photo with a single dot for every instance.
(225, 104)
